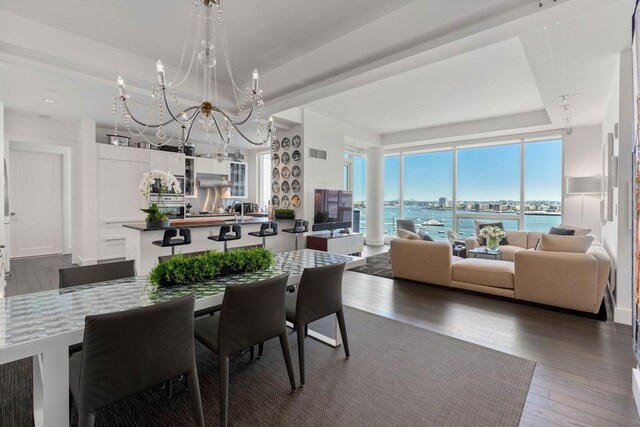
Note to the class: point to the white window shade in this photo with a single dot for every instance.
(584, 185)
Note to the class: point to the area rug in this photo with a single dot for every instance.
(398, 374)
(377, 265)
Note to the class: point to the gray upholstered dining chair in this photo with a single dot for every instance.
(75, 276)
(319, 295)
(251, 313)
(130, 351)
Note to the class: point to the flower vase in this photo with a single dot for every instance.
(493, 244)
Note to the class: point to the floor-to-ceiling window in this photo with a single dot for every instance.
(518, 183)
(359, 167)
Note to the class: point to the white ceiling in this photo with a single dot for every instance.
(559, 53)
(262, 34)
(492, 81)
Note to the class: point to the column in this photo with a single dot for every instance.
(375, 196)
(85, 173)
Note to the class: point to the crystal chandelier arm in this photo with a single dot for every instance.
(268, 137)
(155, 125)
(217, 127)
(166, 103)
(238, 123)
(193, 120)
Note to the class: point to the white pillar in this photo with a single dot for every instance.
(375, 196)
(85, 187)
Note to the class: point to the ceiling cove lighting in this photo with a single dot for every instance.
(206, 36)
(49, 101)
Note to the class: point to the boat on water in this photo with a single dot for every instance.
(433, 223)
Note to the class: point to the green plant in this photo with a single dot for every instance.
(154, 213)
(180, 269)
(284, 213)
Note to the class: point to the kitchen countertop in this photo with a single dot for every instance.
(196, 222)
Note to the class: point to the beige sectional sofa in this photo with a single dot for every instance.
(575, 281)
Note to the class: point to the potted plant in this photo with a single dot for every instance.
(156, 218)
(285, 214)
(492, 235)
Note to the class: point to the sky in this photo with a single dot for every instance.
(485, 173)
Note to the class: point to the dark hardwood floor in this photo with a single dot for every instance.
(583, 372)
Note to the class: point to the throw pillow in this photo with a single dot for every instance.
(575, 244)
(578, 230)
(426, 237)
(405, 234)
(480, 225)
(562, 231)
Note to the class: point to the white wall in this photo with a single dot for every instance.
(583, 157)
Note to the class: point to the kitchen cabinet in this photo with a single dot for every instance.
(190, 177)
(166, 161)
(206, 165)
(238, 175)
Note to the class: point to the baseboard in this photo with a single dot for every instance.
(622, 315)
(371, 242)
(88, 261)
(635, 373)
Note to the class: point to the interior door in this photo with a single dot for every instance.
(35, 194)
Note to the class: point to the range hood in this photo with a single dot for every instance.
(208, 180)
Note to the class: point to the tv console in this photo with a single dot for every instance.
(337, 243)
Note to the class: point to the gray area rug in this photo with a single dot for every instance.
(377, 265)
(398, 374)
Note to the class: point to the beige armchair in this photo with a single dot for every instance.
(422, 261)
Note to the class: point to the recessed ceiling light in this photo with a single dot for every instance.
(49, 101)
(43, 116)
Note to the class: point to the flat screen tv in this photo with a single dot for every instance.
(333, 209)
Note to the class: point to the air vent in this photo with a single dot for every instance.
(317, 154)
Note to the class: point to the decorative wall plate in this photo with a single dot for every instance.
(285, 143)
(285, 201)
(275, 159)
(285, 186)
(275, 174)
(275, 145)
(295, 185)
(296, 141)
(275, 187)
(296, 171)
(285, 158)
(295, 201)
(285, 172)
(275, 201)
(296, 156)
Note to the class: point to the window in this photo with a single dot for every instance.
(346, 177)
(542, 194)
(428, 192)
(391, 193)
(360, 190)
(264, 180)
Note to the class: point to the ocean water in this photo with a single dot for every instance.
(466, 226)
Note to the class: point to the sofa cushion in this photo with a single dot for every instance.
(517, 238)
(497, 274)
(533, 237)
(508, 251)
(562, 231)
(406, 234)
(576, 244)
(579, 230)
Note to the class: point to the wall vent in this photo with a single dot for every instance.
(317, 154)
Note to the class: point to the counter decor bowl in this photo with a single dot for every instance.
(184, 270)
(119, 140)
(284, 214)
(158, 224)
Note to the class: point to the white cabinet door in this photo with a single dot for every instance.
(118, 195)
(204, 165)
(158, 160)
(221, 168)
(175, 164)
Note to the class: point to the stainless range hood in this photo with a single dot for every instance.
(208, 180)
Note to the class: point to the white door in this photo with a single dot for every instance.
(35, 196)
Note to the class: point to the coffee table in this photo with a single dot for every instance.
(485, 252)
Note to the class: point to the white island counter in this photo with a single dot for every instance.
(139, 239)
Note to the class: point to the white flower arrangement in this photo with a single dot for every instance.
(492, 232)
(168, 182)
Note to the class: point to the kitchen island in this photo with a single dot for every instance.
(138, 238)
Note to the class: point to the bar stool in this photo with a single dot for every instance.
(299, 227)
(226, 234)
(266, 230)
(170, 239)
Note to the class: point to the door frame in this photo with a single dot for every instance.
(41, 147)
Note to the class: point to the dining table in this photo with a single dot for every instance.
(43, 325)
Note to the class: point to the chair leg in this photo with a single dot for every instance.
(300, 330)
(343, 331)
(286, 352)
(223, 363)
(194, 397)
(252, 354)
(86, 419)
(260, 350)
(306, 331)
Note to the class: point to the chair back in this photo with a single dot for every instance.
(252, 313)
(319, 292)
(224, 230)
(407, 224)
(168, 235)
(74, 276)
(164, 258)
(129, 351)
(186, 235)
(269, 229)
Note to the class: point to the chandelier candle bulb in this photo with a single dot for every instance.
(160, 70)
(121, 86)
(256, 77)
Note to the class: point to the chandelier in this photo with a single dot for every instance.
(206, 34)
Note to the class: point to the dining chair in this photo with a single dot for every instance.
(130, 351)
(251, 314)
(318, 295)
(74, 276)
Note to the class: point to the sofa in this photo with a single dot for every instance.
(575, 281)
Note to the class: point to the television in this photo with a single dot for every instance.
(333, 209)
